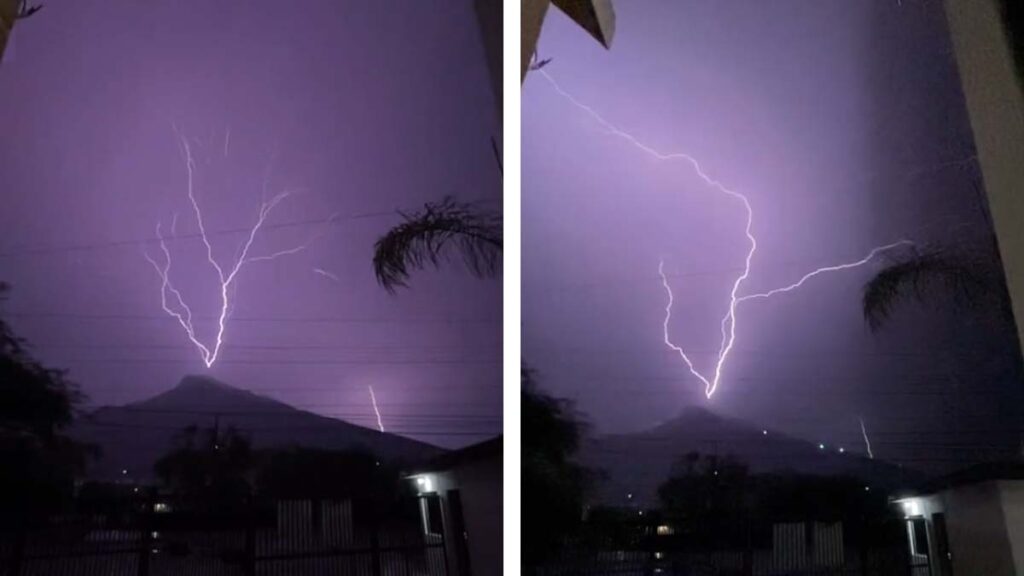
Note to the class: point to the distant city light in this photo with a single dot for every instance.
(764, 432)
(842, 450)
(821, 446)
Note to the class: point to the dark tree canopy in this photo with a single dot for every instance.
(555, 483)
(706, 492)
(36, 404)
(209, 467)
(34, 400)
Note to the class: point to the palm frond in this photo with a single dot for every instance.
(970, 279)
(427, 237)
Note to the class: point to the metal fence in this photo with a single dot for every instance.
(301, 538)
(781, 549)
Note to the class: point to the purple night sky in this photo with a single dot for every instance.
(365, 107)
(843, 123)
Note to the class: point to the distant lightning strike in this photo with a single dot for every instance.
(729, 320)
(176, 307)
(329, 275)
(867, 442)
(373, 400)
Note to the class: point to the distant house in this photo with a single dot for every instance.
(971, 522)
(461, 499)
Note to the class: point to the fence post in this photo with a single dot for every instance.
(145, 539)
(375, 549)
(250, 542)
(20, 539)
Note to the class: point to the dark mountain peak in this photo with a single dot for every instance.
(693, 418)
(200, 392)
(202, 382)
(203, 401)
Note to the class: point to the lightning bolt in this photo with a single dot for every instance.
(729, 320)
(328, 275)
(867, 443)
(373, 400)
(171, 299)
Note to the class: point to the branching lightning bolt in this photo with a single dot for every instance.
(373, 400)
(867, 442)
(176, 307)
(729, 320)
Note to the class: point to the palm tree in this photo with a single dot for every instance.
(970, 278)
(428, 237)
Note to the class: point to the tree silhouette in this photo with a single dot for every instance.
(554, 484)
(209, 468)
(430, 235)
(36, 405)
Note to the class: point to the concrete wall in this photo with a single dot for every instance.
(1012, 496)
(977, 531)
(977, 527)
(532, 20)
(8, 14)
(995, 103)
(489, 17)
(479, 484)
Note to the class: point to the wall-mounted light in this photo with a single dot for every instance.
(424, 483)
(911, 507)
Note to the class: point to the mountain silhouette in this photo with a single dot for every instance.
(632, 466)
(132, 437)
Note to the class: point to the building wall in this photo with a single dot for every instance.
(995, 102)
(976, 527)
(1012, 496)
(8, 14)
(489, 18)
(480, 487)
(479, 484)
(532, 20)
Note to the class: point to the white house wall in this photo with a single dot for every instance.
(1012, 495)
(976, 528)
(995, 103)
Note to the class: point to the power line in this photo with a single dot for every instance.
(193, 236)
(299, 320)
(462, 360)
